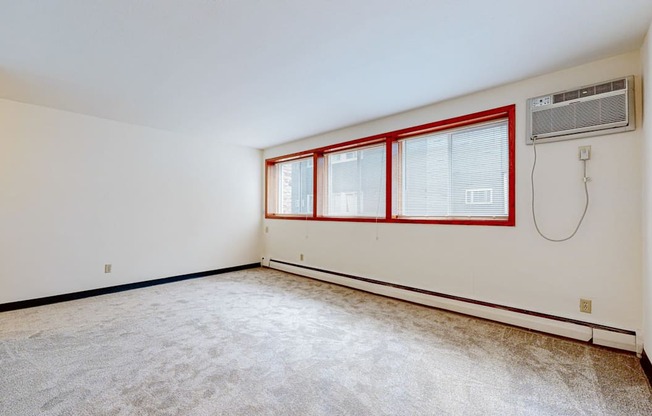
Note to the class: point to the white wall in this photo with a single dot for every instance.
(77, 192)
(646, 57)
(505, 265)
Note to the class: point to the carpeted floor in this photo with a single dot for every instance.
(262, 342)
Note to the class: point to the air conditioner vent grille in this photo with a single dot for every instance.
(588, 91)
(588, 114)
(611, 109)
(603, 88)
(585, 92)
(619, 85)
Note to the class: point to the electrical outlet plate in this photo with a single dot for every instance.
(107, 268)
(585, 152)
(301, 257)
(585, 305)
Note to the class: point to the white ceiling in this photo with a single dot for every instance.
(262, 72)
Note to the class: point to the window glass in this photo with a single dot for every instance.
(459, 173)
(356, 182)
(295, 180)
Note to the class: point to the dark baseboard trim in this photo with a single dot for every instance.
(459, 298)
(30, 303)
(647, 366)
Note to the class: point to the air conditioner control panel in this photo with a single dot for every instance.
(541, 101)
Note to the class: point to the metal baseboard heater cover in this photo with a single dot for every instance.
(602, 108)
(584, 331)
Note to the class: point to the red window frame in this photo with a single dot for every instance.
(391, 141)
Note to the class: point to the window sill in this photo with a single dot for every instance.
(488, 221)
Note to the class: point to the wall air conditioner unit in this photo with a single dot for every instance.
(603, 108)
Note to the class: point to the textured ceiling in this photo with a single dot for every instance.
(263, 72)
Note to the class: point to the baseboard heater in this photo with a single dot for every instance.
(603, 335)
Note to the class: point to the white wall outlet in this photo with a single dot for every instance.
(301, 257)
(585, 152)
(266, 229)
(107, 268)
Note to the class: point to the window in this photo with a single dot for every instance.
(293, 187)
(455, 174)
(455, 171)
(356, 182)
(479, 196)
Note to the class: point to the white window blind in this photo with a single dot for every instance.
(295, 193)
(356, 182)
(456, 173)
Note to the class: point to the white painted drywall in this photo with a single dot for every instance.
(507, 265)
(77, 192)
(646, 57)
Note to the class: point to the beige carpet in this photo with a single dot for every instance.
(262, 342)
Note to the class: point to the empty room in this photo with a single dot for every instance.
(285, 207)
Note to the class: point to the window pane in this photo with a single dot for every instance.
(479, 172)
(426, 175)
(456, 174)
(356, 182)
(295, 186)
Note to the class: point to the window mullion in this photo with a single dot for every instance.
(389, 185)
(450, 174)
(279, 190)
(315, 189)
